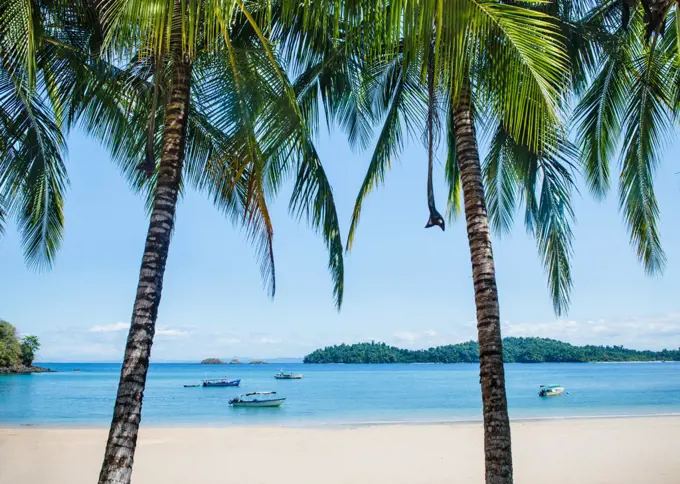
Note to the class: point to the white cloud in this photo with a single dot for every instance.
(426, 338)
(654, 332)
(229, 341)
(171, 332)
(109, 328)
(406, 337)
(266, 340)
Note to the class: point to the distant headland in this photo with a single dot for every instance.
(17, 355)
(515, 350)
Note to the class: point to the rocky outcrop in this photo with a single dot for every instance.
(212, 361)
(23, 370)
(258, 362)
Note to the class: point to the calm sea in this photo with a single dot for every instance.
(337, 394)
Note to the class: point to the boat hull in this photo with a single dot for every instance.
(266, 403)
(288, 377)
(231, 383)
(551, 393)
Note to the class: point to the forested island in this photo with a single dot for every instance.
(17, 354)
(515, 350)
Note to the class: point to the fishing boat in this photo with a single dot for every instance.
(257, 399)
(192, 386)
(221, 382)
(282, 375)
(550, 390)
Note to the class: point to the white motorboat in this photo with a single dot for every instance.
(257, 399)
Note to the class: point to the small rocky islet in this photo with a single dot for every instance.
(234, 361)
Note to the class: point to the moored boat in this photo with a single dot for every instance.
(550, 390)
(221, 382)
(192, 386)
(257, 399)
(282, 375)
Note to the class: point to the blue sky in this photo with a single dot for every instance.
(404, 285)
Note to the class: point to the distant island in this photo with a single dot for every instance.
(235, 361)
(515, 350)
(17, 355)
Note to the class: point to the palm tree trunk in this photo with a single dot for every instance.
(120, 447)
(497, 449)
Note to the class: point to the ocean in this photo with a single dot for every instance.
(337, 394)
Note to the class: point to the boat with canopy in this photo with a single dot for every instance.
(550, 390)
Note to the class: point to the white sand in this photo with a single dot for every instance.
(621, 451)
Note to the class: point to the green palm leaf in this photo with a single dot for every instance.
(400, 99)
(20, 38)
(452, 172)
(598, 117)
(32, 173)
(501, 181)
(545, 184)
(646, 120)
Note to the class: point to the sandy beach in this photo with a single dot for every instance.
(621, 450)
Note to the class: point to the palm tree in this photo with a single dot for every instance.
(475, 62)
(633, 98)
(204, 93)
(235, 134)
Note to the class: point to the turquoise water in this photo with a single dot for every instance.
(337, 394)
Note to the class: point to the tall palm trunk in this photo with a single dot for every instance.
(120, 447)
(497, 449)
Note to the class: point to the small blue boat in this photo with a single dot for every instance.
(221, 382)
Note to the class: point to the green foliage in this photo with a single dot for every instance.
(33, 177)
(628, 111)
(515, 350)
(105, 66)
(514, 61)
(14, 352)
(247, 133)
(10, 349)
(29, 346)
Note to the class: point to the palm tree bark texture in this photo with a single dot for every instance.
(122, 440)
(497, 449)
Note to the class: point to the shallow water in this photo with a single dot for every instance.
(337, 394)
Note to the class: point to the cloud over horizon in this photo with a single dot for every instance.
(105, 342)
(109, 328)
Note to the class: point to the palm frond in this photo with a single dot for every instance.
(599, 115)
(520, 58)
(553, 230)
(20, 36)
(546, 185)
(452, 171)
(647, 119)
(399, 97)
(3, 215)
(33, 177)
(501, 181)
(312, 194)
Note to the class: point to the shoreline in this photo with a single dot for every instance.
(23, 370)
(603, 450)
(340, 425)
